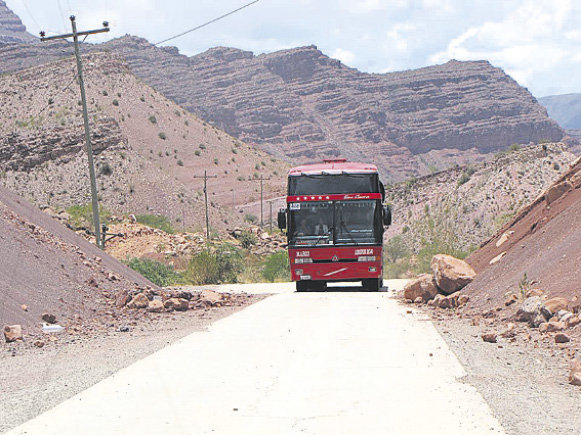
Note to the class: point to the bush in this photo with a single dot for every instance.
(82, 215)
(247, 239)
(180, 163)
(220, 266)
(115, 102)
(162, 135)
(105, 169)
(249, 218)
(157, 222)
(156, 272)
(514, 147)
(197, 152)
(153, 119)
(276, 267)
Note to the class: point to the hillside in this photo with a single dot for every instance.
(53, 270)
(299, 103)
(565, 109)
(458, 209)
(148, 147)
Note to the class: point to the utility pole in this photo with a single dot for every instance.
(261, 200)
(270, 220)
(75, 35)
(206, 177)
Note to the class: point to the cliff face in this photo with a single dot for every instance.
(303, 105)
(11, 28)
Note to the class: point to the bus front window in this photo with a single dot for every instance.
(311, 223)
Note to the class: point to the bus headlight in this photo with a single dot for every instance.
(366, 259)
(300, 260)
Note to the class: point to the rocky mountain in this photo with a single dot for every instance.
(303, 105)
(148, 148)
(565, 109)
(11, 28)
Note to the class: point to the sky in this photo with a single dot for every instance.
(537, 42)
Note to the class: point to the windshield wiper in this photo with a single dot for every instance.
(326, 235)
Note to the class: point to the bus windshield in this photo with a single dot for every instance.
(333, 184)
(351, 222)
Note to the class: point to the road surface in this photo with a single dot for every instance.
(338, 362)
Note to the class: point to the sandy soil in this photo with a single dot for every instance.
(34, 379)
(525, 385)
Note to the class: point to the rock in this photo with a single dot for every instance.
(532, 311)
(555, 304)
(209, 297)
(121, 299)
(556, 191)
(419, 300)
(561, 338)
(124, 329)
(505, 236)
(424, 286)
(13, 333)
(543, 327)
(534, 293)
(573, 321)
(489, 337)
(155, 306)
(575, 373)
(555, 326)
(497, 258)
(513, 298)
(140, 301)
(93, 282)
(449, 301)
(38, 343)
(451, 274)
(49, 318)
(180, 304)
(24, 307)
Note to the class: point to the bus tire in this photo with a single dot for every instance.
(372, 284)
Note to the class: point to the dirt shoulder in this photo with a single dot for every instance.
(525, 384)
(35, 379)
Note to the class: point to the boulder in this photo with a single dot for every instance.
(180, 304)
(532, 311)
(424, 286)
(451, 274)
(449, 301)
(489, 337)
(13, 333)
(140, 301)
(561, 338)
(555, 326)
(155, 306)
(49, 318)
(556, 304)
(209, 297)
(573, 321)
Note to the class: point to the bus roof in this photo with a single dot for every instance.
(333, 167)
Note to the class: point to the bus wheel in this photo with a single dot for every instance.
(372, 284)
(302, 286)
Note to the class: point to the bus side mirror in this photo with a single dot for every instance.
(282, 219)
(386, 215)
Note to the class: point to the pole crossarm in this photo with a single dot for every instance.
(72, 35)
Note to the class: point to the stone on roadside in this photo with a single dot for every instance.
(573, 321)
(13, 333)
(555, 326)
(24, 307)
(179, 304)
(561, 338)
(424, 286)
(451, 274)
(140, 301)
(48, 317)
(419, 300)
(38, 343)
(532, 311)
(513, 298)
(155, 306)
(489, 337)
(208, 297)
(556, 304)
(575, 373)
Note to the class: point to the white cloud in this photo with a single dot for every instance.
(344, 56)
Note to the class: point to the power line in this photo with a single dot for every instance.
(207, 23)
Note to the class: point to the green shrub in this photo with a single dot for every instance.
(115, 102)
(156, 272)
(249, 218)
(180, 163)
(157, 222)
(162, 135)
(220, 266)
(82, 215)
(197, 152)
(514, 147)
(247, 239)
(105, 169)
(276, 267)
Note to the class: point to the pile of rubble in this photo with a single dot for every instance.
(442, 287)
(262, 242)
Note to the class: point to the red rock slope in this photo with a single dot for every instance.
(543, 241)
(48, 268)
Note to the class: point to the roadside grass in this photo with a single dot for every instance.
(156, 272)
(82, 215)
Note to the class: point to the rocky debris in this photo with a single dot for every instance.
(179, 304)
(423, 287)
(489, 337)
(532, 311)
(552, 326)
(505, 237)
(38, 343)
(451, 301)
(498, 258)
(155, 306)
(139, 301)
(13, 333)
(511, 299)
(556, 304)
(451, 274)
(561, 338)
(575, 373)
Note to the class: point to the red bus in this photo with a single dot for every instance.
(334, 221)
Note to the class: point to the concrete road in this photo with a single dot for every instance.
(337, 362)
